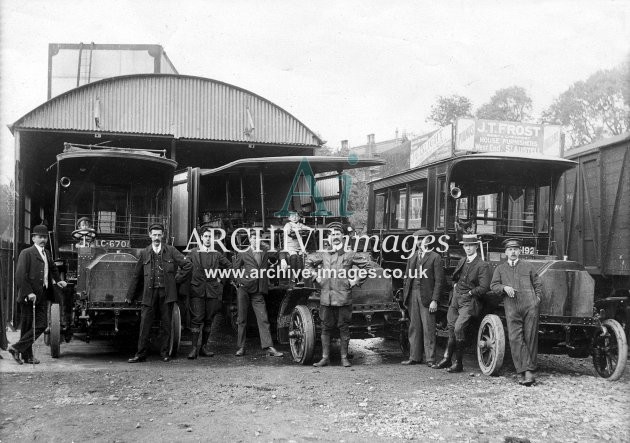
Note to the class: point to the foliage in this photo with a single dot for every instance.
(511, 104)
(447, 110)
(594, 108)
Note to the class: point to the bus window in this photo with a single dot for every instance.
(487, 213)
(111, 210)
(441, 214)
(417, 192)
(521, 209)
(379, 211)
(462, 208)
(542, 223)
(397, 208)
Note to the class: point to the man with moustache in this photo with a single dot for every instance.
(206, 291)
(252, 288)
(519, 281)
(335, 308)
(156, 271)
(35, 275)
(472, 280)
(421, 293)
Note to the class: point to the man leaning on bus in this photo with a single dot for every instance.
(156, 268)
(472, 280)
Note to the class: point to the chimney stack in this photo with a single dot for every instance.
(344, 145)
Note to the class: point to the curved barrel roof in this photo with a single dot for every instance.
(180, 106)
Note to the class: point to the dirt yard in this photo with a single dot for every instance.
(92, 393)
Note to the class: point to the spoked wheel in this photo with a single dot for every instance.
(176, 331)
(302, 335)
(610, 350)
(490, 345)
(55, 330)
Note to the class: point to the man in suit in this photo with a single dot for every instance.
(206, 291)
(156, 272)
(519, 281)
(472, 280)
(251, 288)
(336, 283)
(35, 276)
(421, 293)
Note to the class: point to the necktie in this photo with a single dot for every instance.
(43, 255)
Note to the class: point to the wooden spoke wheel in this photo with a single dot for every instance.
(302, 335)
(610, 350)
(490, 345)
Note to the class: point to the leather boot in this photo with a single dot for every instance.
(458, 366)
(325, 352)
(195, 346)
(205, 351)
(446, 361)
(345, 342)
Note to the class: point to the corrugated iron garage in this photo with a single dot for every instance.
(197, 121)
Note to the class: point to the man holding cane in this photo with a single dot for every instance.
(35, 276)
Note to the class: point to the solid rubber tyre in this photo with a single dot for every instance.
(610, 350)
(490, 345)
(302, 335)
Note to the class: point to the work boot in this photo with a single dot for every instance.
(195, 346)
(344, 352)
(325, 352)
(446, 361)
(458, 366)
(205, 351)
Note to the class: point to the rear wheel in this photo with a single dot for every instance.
(176, 331)
(490, 345)
(302, 335)
(55, 330)
(610, 350)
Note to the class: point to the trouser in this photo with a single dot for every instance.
(460, 312)
(25, 344)
(164, 309)
(421, 330)
(257, 301)
(204, 311)
(336, 317)
(521, 316)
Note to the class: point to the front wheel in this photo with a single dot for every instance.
(176, 331)
(302, 335)
(490, 345)
(610, 350)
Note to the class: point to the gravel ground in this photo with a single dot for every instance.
(91, 393)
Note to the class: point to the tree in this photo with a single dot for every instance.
(447, 110)
(594, 108)
(512, 104)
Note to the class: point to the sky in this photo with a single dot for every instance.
(346, 69)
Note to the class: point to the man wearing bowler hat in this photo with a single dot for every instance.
(421, 293)
(519, 281)
(35, 276)
(472, 280)
(157, 270)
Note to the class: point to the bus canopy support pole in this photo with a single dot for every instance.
(242, 199)
(262, 198)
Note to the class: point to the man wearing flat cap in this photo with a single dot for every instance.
(206, 291)
(35, 276)
(421, 293)
(336, 285)
(518, 280)
(157, 272)
(472, 280)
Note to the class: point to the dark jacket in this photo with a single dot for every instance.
(522, 278)
(200, 285)
(250, 283)
(476, 279)
(29, 275)
(336, 291)
(171, 259)
(431, 286)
